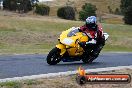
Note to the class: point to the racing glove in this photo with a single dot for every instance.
(91, 42)
(82, 44)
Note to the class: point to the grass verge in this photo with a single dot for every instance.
(67, 82)
(36, 34)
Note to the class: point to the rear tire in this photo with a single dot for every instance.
(88, 59)
(54, 56)
(91, 56)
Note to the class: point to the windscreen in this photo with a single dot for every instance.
(73, 32)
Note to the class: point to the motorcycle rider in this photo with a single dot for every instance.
(95, 33)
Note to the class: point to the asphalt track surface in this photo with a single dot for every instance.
(26, 65)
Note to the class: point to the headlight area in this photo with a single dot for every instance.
(67, 41)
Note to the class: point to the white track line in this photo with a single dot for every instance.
(63, 73)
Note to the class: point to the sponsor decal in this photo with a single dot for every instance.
(83, 78)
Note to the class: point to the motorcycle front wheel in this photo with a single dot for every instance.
(54, 56)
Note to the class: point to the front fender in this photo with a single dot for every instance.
(62, 48)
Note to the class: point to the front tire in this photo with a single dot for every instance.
(54, 56)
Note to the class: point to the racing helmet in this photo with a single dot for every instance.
(91, 23)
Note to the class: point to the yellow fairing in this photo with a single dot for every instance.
(71, 45)
(75, 51)
(83, 39)
(62, 48)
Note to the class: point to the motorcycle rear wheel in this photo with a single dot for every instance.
(54, 56)
(88, 59)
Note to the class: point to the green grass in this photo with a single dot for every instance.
(29, 35)
(11, 84)
(120, 37)
(20, 84)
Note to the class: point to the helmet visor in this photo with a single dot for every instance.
(91, 26)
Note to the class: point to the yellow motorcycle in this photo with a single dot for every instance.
(68, 49)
